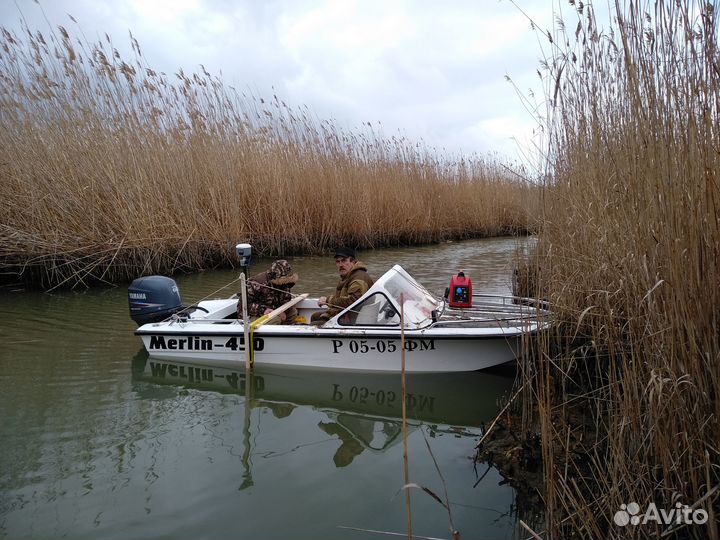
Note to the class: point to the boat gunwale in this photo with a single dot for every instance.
(497, 333)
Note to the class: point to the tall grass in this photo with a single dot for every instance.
(110, 170)
(628, 399)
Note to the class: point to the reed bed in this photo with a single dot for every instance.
(625, 396)
(111, 170)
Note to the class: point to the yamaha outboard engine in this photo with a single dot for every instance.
(153, 299)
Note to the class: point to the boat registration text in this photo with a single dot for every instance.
(364, 346)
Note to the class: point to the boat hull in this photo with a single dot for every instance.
(426, 351)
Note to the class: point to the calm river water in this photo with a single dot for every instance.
(98, 441)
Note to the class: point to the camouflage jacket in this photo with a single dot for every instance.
(350, 288)
(261, 296)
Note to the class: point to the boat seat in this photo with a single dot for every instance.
(368, 314)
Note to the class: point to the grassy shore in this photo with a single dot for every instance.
(111, 170)
(625, 398)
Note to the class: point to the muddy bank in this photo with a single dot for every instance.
(518, 454)
(519, 462)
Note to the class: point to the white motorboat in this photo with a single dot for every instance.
(366, 336)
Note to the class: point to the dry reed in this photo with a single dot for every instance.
(111, 170)
(626, 395)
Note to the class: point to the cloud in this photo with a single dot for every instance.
(429, 70)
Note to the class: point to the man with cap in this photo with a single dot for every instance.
(354, 282)
(269, 290)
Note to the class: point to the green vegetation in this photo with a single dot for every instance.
(111, 170)
(628, 407)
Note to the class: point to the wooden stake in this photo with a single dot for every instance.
(404, 416)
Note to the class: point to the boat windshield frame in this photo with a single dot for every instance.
(418, 302)
(418, 305)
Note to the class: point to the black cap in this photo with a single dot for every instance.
(345, 251)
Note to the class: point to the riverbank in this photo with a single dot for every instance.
(111, 170)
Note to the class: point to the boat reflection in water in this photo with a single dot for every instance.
(364, 410)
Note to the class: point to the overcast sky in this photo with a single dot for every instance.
(427, 69)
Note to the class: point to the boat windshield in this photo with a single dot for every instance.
(419, 303)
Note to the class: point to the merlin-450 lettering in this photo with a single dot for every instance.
(197, 343)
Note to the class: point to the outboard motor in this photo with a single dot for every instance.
(153, 299)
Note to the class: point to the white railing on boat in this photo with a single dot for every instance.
(487, 308)
(184, 320)
(516, 300)
(488, 320)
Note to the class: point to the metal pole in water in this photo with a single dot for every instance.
(246, 322)
(247, 440)
(244, 251)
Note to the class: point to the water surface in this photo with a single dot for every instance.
(99, 441)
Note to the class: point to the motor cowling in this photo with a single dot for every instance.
(153, 299)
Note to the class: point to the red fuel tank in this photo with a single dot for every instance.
(460, 291)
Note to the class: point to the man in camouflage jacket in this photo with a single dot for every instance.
(354, 282)
(269, 290)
